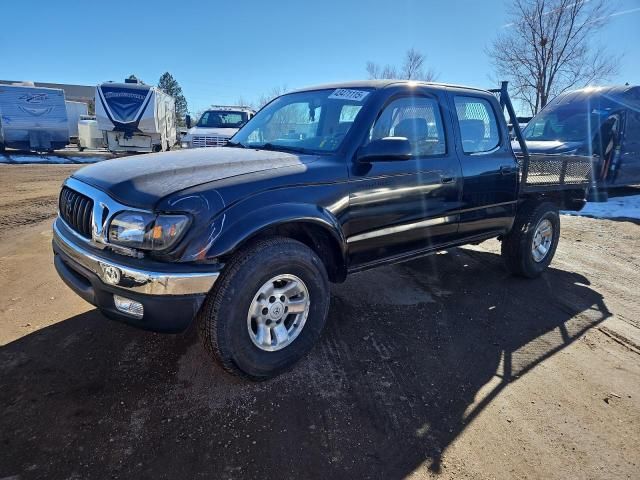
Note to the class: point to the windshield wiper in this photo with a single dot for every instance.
(283, 148)
(236, 144)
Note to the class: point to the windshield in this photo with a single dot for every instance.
(315, 121)
(222, 119)
(575, 121)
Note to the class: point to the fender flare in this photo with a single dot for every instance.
(238, 229)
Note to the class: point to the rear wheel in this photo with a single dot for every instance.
(267, 309)
(530, 246)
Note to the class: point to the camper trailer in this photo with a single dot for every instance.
(32, 118)
(75, 110)
(135, 117)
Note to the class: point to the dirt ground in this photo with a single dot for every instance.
(443, 367)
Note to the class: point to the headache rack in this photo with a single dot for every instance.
(540, 172)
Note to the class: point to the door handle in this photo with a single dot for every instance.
(446, 179)
(506, 169)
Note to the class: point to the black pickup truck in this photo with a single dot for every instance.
(321, 183)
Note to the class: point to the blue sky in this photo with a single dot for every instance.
(221, 51)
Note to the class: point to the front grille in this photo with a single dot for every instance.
(76, 210)
(209, 141)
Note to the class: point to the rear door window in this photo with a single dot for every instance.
(478, 124)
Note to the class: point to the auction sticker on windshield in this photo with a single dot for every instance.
(346, 94)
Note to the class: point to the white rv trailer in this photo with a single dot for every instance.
(32, 118)
(74, 111)
(135, 117)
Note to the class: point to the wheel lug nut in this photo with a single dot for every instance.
(282, 298)
(272, 299)
(265, 311)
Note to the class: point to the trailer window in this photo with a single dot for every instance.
(478, 124)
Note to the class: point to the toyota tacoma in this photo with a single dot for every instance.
(322, 183)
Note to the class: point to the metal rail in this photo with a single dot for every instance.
(541, 172)
(505, 102)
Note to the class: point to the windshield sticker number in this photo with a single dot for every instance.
(346, 94)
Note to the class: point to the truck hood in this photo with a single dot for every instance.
(141, 181)
(217, 132)
(548, 147)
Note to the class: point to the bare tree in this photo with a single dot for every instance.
(412, 69)
(243, 102)
(273, 93)
(546, 48)
(375, 71)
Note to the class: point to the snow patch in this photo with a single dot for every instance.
(617, 207)
(50, 159)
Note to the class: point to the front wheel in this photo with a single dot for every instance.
(530, 246)
(267, 309)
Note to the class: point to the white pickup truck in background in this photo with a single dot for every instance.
(216, 126)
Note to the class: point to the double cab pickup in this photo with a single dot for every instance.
(320, 184)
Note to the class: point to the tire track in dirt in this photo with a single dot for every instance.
(27, 212)
(29, 194)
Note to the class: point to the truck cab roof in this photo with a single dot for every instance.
(383, 83)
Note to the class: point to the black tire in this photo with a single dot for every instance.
(222, 320)
(517, 245)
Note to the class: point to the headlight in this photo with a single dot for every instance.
(146, 231)
(185, 145)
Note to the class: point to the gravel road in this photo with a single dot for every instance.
(442, 367)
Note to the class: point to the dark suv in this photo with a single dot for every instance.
(321, 183)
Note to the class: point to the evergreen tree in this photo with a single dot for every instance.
(171, 86)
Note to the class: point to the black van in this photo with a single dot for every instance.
(603, 122)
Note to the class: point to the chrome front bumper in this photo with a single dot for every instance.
(134, 279)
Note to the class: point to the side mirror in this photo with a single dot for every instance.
(188, 120)
(386, 149)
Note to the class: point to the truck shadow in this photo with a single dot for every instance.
(410, 356)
